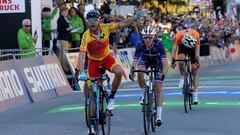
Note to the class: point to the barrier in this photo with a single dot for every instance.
(24, 81)
(62, 86)
(13, 92)
(125, 57)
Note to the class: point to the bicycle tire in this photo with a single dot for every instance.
(154, 111)
(185, 95)
(105, 114)
(86, 111)
(146, 115)
(93, 121)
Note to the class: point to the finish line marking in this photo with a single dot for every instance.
(166, 104)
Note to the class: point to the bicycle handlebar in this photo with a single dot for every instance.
(146, 71)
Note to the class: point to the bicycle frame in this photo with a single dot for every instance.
(97, 96)
(188, 83)
(149, 95)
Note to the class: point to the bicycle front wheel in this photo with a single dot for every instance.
(186, 95)
(153, 111)
(146, 111)
(105, 117)
(93, 120)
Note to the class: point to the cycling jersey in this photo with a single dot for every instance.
(183, 49)
(97, 46)
(179, 36)
(146, 57)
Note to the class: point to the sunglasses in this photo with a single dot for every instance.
(92, 20)
(27, 25)
(148, 37)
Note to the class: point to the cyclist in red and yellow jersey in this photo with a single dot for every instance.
(96, 42)
(187, 42)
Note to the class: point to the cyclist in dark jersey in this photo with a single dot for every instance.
(150, 52)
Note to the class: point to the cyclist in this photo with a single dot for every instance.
(96, 42)
(150, 51)
(187, 42)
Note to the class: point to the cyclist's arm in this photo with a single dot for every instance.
(137, 55)
(81, 60)
(197, 48)
(82, 53)
(175, 47)
(126, 22)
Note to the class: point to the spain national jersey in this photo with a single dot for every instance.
(97, 47)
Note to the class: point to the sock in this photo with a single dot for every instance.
(159, 112)
(142, 92)
(112, 94)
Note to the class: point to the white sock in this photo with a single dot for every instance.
(142, 92)
(159, 112)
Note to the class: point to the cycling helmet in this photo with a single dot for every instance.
(148, 30)
(189, 41)
(93, 14)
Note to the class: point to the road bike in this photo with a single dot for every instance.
(96, 112)
(149, 107)
(188, 83)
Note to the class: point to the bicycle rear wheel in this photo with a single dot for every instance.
(153, 111)
(105, 117)
(86, 111)
(146, 110)
(186, 95)
(92, 115)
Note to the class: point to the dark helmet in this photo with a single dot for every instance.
(93, 14)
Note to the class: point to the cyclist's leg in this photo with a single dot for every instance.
(159, 99)
(140, 77)
(111, 65)
(182, 51)
(195, 77)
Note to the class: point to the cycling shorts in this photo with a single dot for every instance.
(107, 63)
(187, 51)
(142, 65)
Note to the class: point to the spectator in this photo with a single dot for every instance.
(78, 27)
(135, 35)
(47, 28)
(81, 11)
(64, 36)
(25, 40)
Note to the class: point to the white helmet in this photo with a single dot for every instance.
(189, 41)
(149, 30)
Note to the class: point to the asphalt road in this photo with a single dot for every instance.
(217, 114)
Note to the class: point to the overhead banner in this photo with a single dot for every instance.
(13, 92)
(12, 6)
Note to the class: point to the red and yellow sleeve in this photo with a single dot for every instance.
(84, 42)
(111, 26)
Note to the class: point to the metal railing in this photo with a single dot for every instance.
(8, 54)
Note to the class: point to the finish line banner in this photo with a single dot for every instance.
(30, 80)
(12, 6)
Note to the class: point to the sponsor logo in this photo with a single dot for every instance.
(10, 86)
(44, 77)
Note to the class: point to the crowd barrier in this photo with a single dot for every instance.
(24, 81)
(125, 57)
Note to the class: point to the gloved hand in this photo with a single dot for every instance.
(132, 75)
(138, 15)
(162, 77)
(82, 76)
(173, 65)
